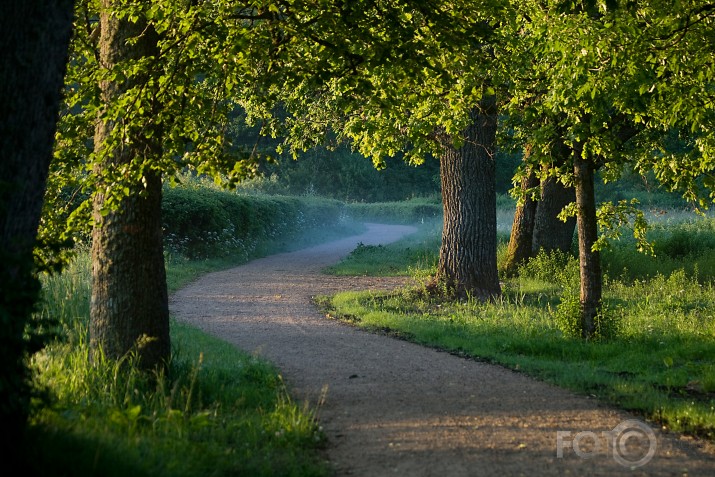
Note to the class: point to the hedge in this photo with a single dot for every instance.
(200, 221)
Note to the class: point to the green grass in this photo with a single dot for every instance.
(219, 411)
(659, 358)
(415, 252)
(685, 243)
(415, 255)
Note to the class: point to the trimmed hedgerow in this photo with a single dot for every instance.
(202, 222)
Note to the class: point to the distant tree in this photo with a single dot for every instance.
(34, 42)
(550, 232)
(537, 223)
(520, 245)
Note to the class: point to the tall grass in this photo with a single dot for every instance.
(684, 243)
(217, 411)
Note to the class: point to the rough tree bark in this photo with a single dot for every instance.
(589, 260)
(536, 224)
(33, 57)
(129, 310)
(520, 239)
(467, 259)
(551, 233)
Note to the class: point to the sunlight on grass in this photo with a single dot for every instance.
(660, 356)
(218, 412)
(415, 252)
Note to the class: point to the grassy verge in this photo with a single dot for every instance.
(415, 253)
(218, 412)
(658, 359)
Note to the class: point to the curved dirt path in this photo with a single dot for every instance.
(390, 407)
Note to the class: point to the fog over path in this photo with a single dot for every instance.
(395, 408)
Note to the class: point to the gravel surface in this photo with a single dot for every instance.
(389, 407)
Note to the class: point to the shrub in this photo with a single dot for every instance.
(556, 267)
(200, 221)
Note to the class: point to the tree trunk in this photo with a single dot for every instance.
(129, 310)
(520, 240)
(589, 260)
(551, 233)
(467, 258)
(33, 57)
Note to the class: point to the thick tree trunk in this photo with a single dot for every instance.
(589, 260)
(520, 240)
(467, 259)
(33, 56)
(129, 310)
(551, 233)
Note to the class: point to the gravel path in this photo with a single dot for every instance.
(389, 407)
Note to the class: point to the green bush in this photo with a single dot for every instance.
(203, 221)
(555, 267)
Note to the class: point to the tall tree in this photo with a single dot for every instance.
(129, 307)
(33, 57)
(150, 77)
(589, 257)
(468, 252)
(420, 77)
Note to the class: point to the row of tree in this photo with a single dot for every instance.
(581, 85)
(151, 88)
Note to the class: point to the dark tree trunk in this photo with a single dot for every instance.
(589, 260)
(33, 56)
(520, 240)
(467, 259)
(551, 233)
(129, 309)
